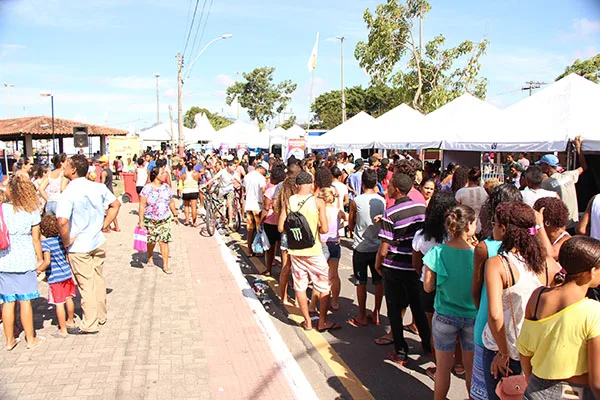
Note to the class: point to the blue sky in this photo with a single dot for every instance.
(99, 57)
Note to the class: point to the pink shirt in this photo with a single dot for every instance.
(414, 195)
(270, 194)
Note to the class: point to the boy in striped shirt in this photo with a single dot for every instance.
(58, 274)
(399, 224)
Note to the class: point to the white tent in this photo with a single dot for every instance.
(242, 133)
(355, 133)
(161, 132)
(295, 132)
(278, 136)
(466, 123)
(401, 128)
(553, 115)
(203, 132)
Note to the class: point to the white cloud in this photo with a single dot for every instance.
(586, 53)
(224, 80)
(5, 49)
(582, 28)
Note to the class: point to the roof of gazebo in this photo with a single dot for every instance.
(41, 127)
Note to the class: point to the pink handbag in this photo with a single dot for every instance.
(140, 239)
(4, 236)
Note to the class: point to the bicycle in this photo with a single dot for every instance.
(216, 210)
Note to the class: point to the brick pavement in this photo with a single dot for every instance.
(188, 335)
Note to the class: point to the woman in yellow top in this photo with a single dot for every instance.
(559, 344)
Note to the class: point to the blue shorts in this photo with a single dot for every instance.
(332, 251)
(445, 329)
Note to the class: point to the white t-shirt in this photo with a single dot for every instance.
(564, 185)
(342, 191)
(530, 196)
(225, 180)
(473, 197)
(595, 218)
(423, 246)
(254, 182)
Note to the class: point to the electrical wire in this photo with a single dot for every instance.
(187, 21)
(202, 34)
(192, 51)
(191, 26)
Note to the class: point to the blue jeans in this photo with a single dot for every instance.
(542, 389)
(446, 327)
(490, 381)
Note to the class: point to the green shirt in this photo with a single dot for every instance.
(454, 277)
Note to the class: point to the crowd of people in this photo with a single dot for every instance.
(499, 277)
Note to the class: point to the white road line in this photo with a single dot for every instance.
(287, 364)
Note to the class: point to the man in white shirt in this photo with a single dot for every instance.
(564, 183)
(81, 220)
(254, 183)
(534, 191)
(226, 178)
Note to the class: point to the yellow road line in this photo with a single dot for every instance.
(353, 385)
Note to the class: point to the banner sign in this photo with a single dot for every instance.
(296, 148)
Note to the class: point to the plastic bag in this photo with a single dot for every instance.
(257, 243)
(265, 240)
(140, 239)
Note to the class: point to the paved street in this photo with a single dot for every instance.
(201, 333)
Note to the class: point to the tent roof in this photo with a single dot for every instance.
(242, 132)
(203, 131)
(161, 132)
(41, 127)
(559, 112)
(295, 132)
(355, 133)
(396, 129)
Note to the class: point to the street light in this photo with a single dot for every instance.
(8, 86)
(180, 74)
(157, 75)
(341, 39)
(48, 94)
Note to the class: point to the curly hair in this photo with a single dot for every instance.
(474, 175)
(49, 226)
(406, 167)
(458, 218)
(22, 194)
(277, 174)
(434, 226)
(518, 218)
(460, 178)
(556, 213)
(323, 177)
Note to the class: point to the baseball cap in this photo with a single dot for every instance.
(264, 164)
(104, 158)
(549, 159)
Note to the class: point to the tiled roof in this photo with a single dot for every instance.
(43, 126)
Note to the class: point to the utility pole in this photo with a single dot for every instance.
(172, 132)
(342, 38)
(180, 102)
(157, 75)
(531, 85)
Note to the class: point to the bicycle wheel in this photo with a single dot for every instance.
(237, 215)
(209, 217)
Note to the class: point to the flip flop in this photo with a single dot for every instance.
(59, 335)
(384, 341)
(40, 340)
(356, 323)
(393, 357)
(372, 320)
(10, 348)
(168, 271)
(430, 372)
(303, 326)
(459, 370)
(333, 327)
(332, 308)
(410, 329)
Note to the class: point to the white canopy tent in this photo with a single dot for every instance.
(242, 132)
(295, 132)
(400, 128)
(553, 115)
(355, 133)
(156, 134)
(277, 136)
(203, 132)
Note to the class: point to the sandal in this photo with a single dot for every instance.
(333, 327)
(10, 348)
(384, 341)
(393, 357)
(40, 340)
(430, 372)
(356, 323)
(372, 320)
(59, 335)
(303, 325)
(459, 370)
(410, 328)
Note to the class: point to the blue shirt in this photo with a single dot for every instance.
(83, 203)
(59, 270)
(493, 246)
(151, 165)
(355, 183)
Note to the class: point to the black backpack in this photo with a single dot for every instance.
(297, 229)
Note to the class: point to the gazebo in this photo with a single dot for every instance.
(27, 129)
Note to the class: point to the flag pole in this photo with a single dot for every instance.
(310, 99)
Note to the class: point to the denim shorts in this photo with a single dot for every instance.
(445, 329)
(542, 389)
(332, 251)
(361, 263)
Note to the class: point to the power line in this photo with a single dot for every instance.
(187, 21)
(198, 27)
(532, 85)
(191, 26)
(203, 29)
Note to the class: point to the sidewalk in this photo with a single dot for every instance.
(189, 335)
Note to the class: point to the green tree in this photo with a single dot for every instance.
(217, 121)
(288, 123)
(375, 100)
(260, 96)
(589, 69)
(427, 80)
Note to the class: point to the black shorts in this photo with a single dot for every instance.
(272, 233)
(138, 189)
(190, 196)
(361, 262)
(427, 299)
